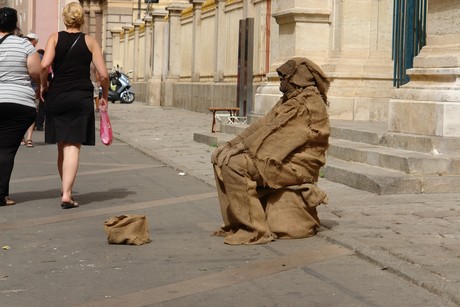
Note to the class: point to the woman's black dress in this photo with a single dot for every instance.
(69, 101)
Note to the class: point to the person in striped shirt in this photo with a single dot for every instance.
(19, 63)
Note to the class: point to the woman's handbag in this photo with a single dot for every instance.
(105, 128)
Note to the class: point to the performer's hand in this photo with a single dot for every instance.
(225, 156)
(216, 153)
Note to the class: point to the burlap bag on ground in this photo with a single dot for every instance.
(127, 229)
(291, 213)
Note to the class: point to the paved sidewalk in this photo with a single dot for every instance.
(372, 251)
(414, 236)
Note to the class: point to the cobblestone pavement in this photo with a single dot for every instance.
(414, 236)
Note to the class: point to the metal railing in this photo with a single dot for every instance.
(409, 36)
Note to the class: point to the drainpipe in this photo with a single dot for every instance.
(268, 18)
(139, 10)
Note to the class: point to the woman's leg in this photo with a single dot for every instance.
(60, 159)
(7, 155)
(14, 121)
(68, 161)
(30, 131)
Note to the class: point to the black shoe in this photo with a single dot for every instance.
(39, 128)
(69, 205)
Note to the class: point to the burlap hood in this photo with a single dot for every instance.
(303, 73)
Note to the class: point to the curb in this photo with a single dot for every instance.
(396, 265)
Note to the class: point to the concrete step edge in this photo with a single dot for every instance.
(384, 181)
(370, 178)
(410, 162)
(212, 139)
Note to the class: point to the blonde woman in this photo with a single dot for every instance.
(69, 98)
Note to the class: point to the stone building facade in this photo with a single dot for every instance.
(430, 103)
(196, 54)
(194, 61)
(187, 54)
(184, 53)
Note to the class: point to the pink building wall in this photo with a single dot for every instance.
(46, 20)
(42, 17)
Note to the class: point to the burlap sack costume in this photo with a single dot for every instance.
(266, 176)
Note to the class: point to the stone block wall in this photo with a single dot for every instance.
(195, 55)
(430, 103)
(199, 97)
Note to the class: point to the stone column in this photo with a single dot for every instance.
(126, 55)
(116, 14)
(158, 57)
(86, 28)
(137, 51)
(148, 48)
(116, 45)
(359, 60)
(303, 30)
(219, 41)
(429, 104)
(174, 8)
(92, 22)
(196, 39)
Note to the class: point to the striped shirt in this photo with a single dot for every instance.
(15, 82)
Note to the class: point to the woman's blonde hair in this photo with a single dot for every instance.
(73, 15)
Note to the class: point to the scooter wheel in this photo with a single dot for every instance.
(127, 97)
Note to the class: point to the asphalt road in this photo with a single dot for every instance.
(55, 257)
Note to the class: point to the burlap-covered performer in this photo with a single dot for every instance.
(266, 176)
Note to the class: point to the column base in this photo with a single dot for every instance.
(154, 86)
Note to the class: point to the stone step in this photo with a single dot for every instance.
(377, 133)
(358, 131)
(422, 143)
(384, 181)
(212, 139)
(409, 162)
(359, 157)
(233, 129)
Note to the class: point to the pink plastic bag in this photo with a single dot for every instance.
(105, 128)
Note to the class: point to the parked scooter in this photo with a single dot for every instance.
(120, 87)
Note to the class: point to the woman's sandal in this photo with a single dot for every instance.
(69, 204)
(7, 202)
(29, 143)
